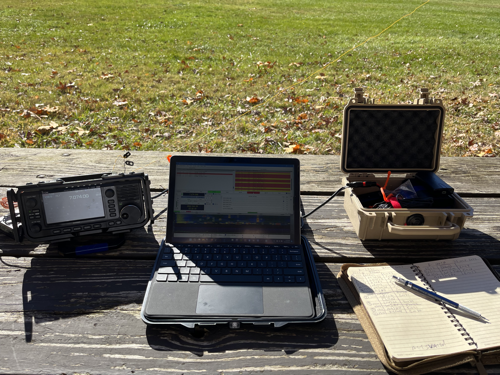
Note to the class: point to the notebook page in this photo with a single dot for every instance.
(469, 282)
(410, 326)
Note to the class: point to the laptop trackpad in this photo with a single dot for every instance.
(230, 300)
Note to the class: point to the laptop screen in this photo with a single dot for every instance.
(234, 201)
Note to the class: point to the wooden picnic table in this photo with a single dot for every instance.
(61, 315)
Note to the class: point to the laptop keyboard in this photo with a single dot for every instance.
(232, 264)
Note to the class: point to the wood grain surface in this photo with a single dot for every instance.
(61, 315)
(81, 316)
(319, 174)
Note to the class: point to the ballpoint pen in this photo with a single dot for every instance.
(409, 285)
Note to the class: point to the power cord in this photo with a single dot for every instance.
(156, 196)
(357, 184)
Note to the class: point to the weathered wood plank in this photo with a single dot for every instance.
(87, 311)
(331, 235)
(469, 176)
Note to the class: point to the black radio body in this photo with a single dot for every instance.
(70, 207)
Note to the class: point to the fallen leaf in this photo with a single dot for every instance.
(81, 131)
(253, 100)
(120, 103)
(295, 149)
(45, 129)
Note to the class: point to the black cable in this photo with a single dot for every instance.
(357, 184)
(160, 194)
(159, 214)
(325, 202)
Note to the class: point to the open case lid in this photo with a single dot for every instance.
(401, 138)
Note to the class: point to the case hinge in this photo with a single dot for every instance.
(356, 176)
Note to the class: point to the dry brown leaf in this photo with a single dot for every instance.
(253, 100)
(81, 131)
(45, 129)
(295, 149)
(120, 103)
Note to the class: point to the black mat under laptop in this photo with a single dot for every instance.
(233, 247)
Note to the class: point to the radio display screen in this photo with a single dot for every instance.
(72, 205)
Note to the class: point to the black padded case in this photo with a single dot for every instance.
(318, 299)
(404, 139)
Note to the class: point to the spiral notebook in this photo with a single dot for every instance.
(412, 327)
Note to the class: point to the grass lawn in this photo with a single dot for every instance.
(240, 75)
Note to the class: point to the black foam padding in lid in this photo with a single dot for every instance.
(391, 139)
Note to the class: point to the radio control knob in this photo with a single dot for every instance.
(31, 203)
(109, 193)
(130, 214)
(36, 228)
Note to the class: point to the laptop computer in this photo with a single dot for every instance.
(233, 245)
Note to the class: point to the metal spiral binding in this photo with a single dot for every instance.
(448, 313)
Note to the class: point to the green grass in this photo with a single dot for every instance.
(178, 76)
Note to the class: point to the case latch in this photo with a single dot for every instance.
(358, 95)
(425, 98)
(359, 98)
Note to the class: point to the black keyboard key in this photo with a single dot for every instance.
(161, 277)
(289, 279)
(295, 264)
(268, 279)
(278, 279)
(294, 271)
(300, 279)
(231, 278)
(168, 263)
(166, 270)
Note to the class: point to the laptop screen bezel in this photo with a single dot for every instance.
(295, 233)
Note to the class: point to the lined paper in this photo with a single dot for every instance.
(469, 282)
(410, 326)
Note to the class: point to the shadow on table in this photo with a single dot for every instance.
(62, 287)
(220, 338)
(349, 247)
(289, 338)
